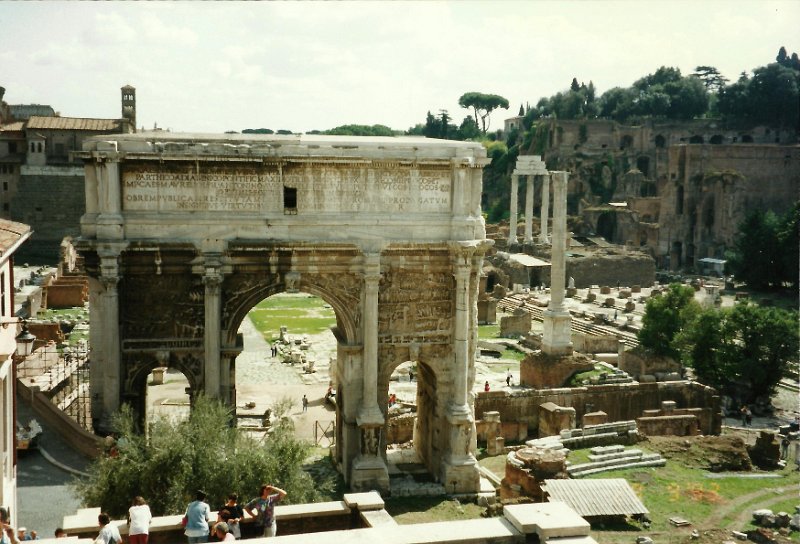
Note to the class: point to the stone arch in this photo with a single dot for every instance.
(607, 225)
(716, 139)
(138, 367)
(661, 142)
(345, 320)
(626, 142)
(696, 139)
(747, 139)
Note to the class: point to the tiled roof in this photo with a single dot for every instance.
(15, 126)
(601, 497)
(10, 233)
(72, 123)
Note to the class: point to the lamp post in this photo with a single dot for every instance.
(25, 342)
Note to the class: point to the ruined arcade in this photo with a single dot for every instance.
(184, 233)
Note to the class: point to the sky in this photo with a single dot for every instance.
(217, 66)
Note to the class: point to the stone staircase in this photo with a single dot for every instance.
(611, 375)
(605, 458)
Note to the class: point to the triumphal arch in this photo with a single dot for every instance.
(184, 233)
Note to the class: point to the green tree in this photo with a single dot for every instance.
(361, 130)
(700, 345)
(757, 257)
(665, 316)
(711, 77)
(482, 105)
(203, 451)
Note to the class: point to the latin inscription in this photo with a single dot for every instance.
(320, 188)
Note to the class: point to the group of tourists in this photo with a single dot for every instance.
(197, 524)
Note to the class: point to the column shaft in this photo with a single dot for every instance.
(211, 340)
(529, 210)
(461, 346)
(369, 412)
(111, 387)
(512, 218)
(559, 245)
(543, 238)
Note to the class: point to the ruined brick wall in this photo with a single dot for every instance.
(622, 402)
(400, 428)
(67, 294)
(587, 343)
(638, 362)
(676, 425)
(602, 269)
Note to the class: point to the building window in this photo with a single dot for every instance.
(5, 186)
(290, 200)
(5, 206)
(38, 147)
(12, 147)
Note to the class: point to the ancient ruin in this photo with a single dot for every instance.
(184, 233)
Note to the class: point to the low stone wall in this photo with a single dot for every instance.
(638, 362)
(676, 425)
(76, 436)
(48, 332)
(400, 428)
(587, 343)
(67, 294)
(601, 269)
(620, 401)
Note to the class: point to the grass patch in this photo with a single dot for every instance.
(489, 331)
(409, 510)
(301, 314)
(512, 354)
(577, 379)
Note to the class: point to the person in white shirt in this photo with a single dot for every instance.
(7, 533)
(109, 534)
(139, 517)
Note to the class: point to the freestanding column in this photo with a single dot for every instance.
(109, 278)
(211, 341)
(369, 470)
(512, 217)
(556, 339)
(543, 238)
(529, 211)
(459, 399)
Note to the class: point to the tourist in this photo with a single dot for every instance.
(236, 514)
(221, 531)
(109, 534)
(785, 448)
(486, 386)
(743, 412)
(60, 533)
(7, 533)
(262, 508)
(411, 375)
(139, 517)
(197, 517)
(21, 536)
(305, 403)
(508, 378)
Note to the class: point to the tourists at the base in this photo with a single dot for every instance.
(7, 533)
(235, 514)
(262, 508)
(196, 519)
(222, 532)
(109, 534)
(139, 517)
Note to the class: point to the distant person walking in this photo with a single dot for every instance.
(262, 508)
(486, 386)
(197, 516)
(305, 403)
(139, 517)
(508, 378)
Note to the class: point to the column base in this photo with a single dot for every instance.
(557, 333)
(461, 475)
(369, 473)
(109, 227)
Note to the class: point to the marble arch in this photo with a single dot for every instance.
(184, 233)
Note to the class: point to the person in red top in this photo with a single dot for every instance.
(486, 386)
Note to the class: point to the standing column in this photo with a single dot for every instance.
(459, 404)
(556, 339)
(109, 219)
(512, 218)
(369, 470)
(369, 413)
(211, 341)
(109, 278)
(543, 238)
(529, 210)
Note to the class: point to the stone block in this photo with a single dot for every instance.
(624, 293)
(636, 289)
(594, 418)
(515, 325)
(547, 520)
(369, 500)
(605, 290)
(554, 418)
(571, 292)
(630, 306)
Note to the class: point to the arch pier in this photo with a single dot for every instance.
(184, 233)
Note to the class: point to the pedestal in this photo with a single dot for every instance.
(556, 333)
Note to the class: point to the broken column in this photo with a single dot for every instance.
(529, 210)
(556, 338)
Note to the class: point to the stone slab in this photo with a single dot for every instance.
(314, 509)
(370, 500)
(377, 518)
(547, 520)
(572, 540)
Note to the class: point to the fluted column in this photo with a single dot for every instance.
(211, 341)
(461, 338)
(543, 237)
(109, 219)
(512, 218)
(556, 338)
(109, 279)
(529, 210)
(370, 413)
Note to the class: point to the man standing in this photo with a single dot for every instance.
(305, 403)
(109, 534)
(262, 508)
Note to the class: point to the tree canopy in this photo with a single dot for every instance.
(482, 105)
(665, 316)
(202, 452)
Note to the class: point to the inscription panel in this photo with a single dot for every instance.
(186, 187)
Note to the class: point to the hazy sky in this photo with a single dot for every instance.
(216, 66)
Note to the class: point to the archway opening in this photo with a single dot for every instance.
(607, 226)
(168, 395)
(661, 142)
(697, 139)
(288, 355)
(411, 426)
